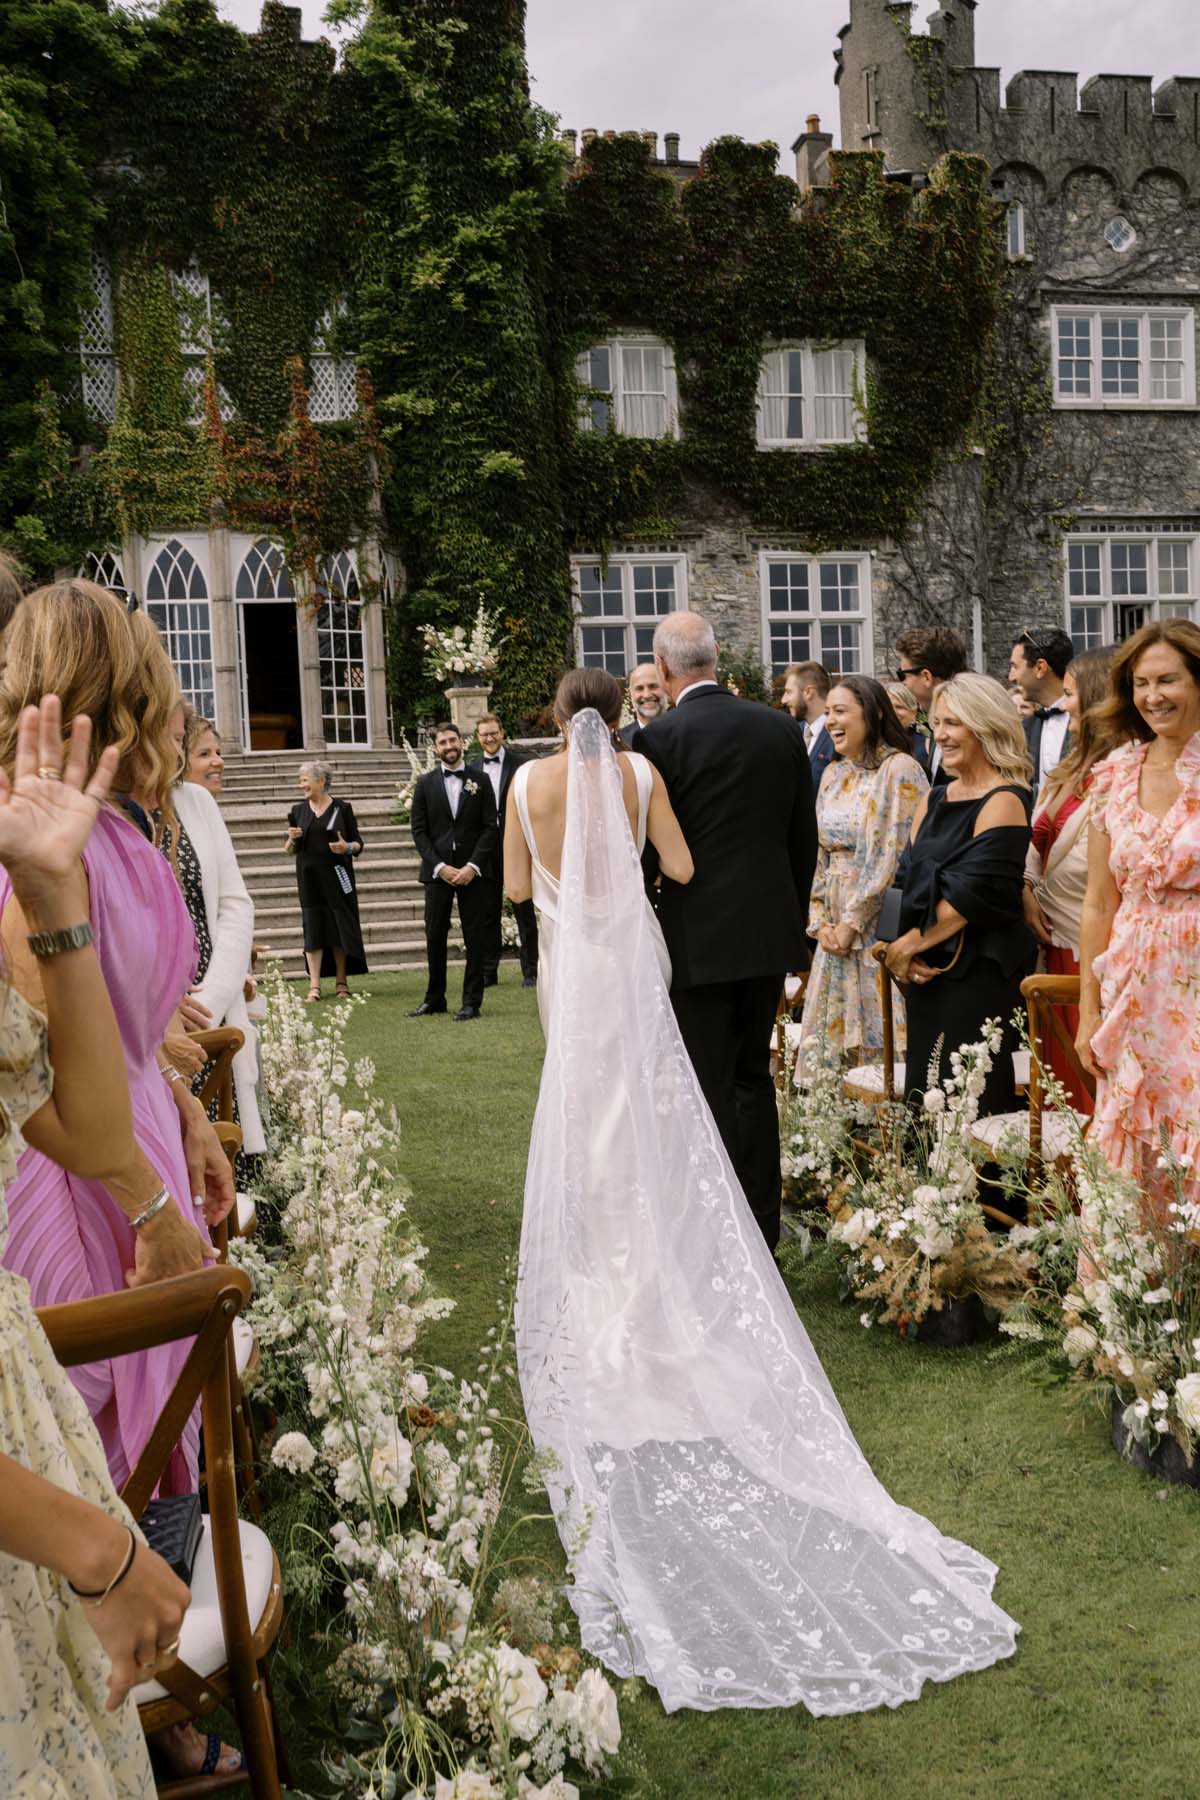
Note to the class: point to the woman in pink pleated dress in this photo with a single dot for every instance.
(1139, 1029)
(70, 1237)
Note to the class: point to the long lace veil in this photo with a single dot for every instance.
(727, 1538)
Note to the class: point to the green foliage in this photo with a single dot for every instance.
(728, 262)
(461, 177)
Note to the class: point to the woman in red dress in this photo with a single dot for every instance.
(1056, 865)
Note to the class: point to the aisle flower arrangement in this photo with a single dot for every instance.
(815, 1125)
(458, 653)
(907, 1224)
(451, 1679)
(418, 765)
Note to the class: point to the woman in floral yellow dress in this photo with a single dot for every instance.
(1139, 1029)
(86, 1608)
(865, 811)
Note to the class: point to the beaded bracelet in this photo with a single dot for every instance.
(97, 1596)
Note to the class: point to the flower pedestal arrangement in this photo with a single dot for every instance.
(1166, 1461)
(467, 706)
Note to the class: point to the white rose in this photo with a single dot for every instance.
(468, 1784)
(855, 1230)
(555, 1789)
(518, 1690)
(599, 1720)
(1080, 1343)
(1187, 1401)
(925, 1197)
(294, 1453)
(935, 1241)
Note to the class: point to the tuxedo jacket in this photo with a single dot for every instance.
(821, 755)
(739, 780)
(472, 837)
(508, 768)
(1034, 728)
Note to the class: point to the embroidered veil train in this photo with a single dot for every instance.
(729, 1541)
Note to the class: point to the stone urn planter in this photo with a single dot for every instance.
(1168, 1463)
(468, 703)
(960, 1322)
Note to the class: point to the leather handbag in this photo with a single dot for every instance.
(173, 1527)
(887, 926)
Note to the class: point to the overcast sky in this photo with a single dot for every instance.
(757, 68)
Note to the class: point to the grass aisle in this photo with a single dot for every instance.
(1101, 1565)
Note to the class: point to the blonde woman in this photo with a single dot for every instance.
(1056, 866)
(964, 947)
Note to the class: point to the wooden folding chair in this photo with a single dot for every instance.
(237, 1601)
(783, 1054)
(243, 1350)
(220, 1048)
(1047, 1137)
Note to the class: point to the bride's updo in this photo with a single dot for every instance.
(581, 688)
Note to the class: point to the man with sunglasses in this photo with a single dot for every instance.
(1039, 662)
(930, 655)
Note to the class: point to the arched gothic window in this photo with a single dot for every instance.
(342, 653)
(177, 601)
(105, 568)
(264, 574)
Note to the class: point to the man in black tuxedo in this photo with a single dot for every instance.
(1039, 661)
(930, 655)
(454, 828)
(806, 688)
(739, 780)
(498, 765)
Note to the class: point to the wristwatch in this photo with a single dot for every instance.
(53, 943)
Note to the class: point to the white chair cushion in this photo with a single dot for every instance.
(1058, 1137)
(243, 1346)
(202, 1641)
(1021, 1061)
(246, 1214)
(867, 1080)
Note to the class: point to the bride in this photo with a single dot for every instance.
(726, 1538)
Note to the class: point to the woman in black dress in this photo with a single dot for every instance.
(323, 833)
(964, 947)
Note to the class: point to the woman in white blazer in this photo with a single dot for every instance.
(229, 912)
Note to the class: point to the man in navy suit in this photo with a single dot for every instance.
(806, 687)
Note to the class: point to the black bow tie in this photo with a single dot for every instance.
(490, 759)
(1049, 712)
(456, 772)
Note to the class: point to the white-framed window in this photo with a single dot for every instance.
(807, 395)
(332, 393)
(193, 302)
(177, 601)
(341, 652)
(97, 353)
(816, 609)
(106, 569)
(619, 603)
(1124, 356)
(1117, 581)
(263, 573)
(1014, 225)
(632, 387)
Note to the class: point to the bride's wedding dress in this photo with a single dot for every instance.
(727, 1539)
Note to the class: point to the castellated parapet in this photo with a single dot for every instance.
(919, 94)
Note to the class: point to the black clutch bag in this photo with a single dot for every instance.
(173, 1527)
(887, 925)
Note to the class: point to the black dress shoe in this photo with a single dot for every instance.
(491, 979)
(424, 1011)
(529, 981)
(466, 1012)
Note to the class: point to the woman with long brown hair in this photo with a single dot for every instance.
(73, 1237)
(1139, 1024)
(1057, 860)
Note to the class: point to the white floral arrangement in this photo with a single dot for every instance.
(405, 1465)
(418, 765)
(1131, 1320)
(815, 1123)
(510, 934)
(457, 652)
(908, 1225)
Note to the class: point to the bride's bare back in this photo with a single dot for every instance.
(546, 802)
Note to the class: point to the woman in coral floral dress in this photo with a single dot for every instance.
(1140, 950)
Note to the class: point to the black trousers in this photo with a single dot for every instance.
(473, 916)
(526, 917)
(726, 1027)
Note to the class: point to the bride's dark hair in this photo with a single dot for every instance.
(581, 688)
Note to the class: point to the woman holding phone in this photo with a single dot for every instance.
(323, 834)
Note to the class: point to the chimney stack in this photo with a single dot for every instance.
(588, 136)
(568, 138)
(811, 151)
(671, 146)
(650, 139)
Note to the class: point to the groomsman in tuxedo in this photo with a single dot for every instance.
(454, 829)
(929, 656)
(741, 786)
(806, 687)
(1039, 661)
(498, 765)
(647, 697)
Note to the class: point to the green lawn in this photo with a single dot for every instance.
(1100, 1564)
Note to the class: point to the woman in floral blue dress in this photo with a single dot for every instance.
(865, 809)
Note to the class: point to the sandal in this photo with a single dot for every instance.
(314, 993)
(341, 991)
